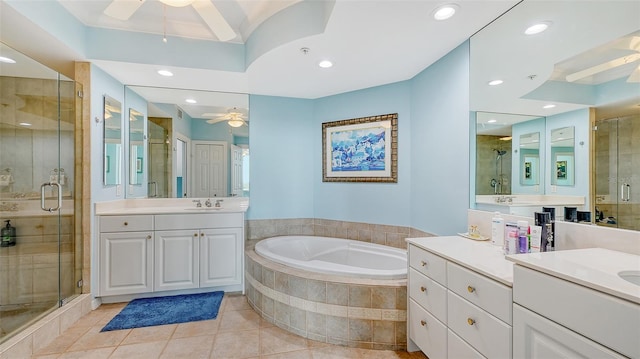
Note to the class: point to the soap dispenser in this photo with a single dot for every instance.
(497, 230)
(8, 236)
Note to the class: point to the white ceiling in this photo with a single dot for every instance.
(370, 43)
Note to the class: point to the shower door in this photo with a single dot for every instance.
(41, 270)
(617, 172)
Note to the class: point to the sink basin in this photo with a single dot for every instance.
(203, 209)
(631, 276)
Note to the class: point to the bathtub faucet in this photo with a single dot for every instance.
(218, 203)
(208, 202)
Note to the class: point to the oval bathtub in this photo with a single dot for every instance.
(336, 256)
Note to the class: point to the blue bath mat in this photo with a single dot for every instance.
(147, 312)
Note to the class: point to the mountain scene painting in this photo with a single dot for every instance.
(358, 150)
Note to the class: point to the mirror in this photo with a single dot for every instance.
(529, 159)
(554, 77)
(189, 131)
(112, 141)
(562, 157)
(136, 148)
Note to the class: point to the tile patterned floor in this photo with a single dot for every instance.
(238, 332)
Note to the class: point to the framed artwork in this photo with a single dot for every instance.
(139, 165)
(361, 149)
(527, 170)
(561, 170)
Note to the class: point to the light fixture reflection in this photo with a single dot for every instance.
(165, 73)
(325, 64)
(7, 60)
(235, 123)
(537, 28)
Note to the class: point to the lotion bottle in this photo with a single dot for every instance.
(497, 230)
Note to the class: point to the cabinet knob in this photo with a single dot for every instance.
(149, 237)
(423, 289)
(126, 223)
(195, 234)
(470, 289)
(423, 263)
(201, 234)
(471, 321)
(423, 323)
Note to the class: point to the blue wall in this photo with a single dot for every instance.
(380, 203)
(282, 157)
(440, 145)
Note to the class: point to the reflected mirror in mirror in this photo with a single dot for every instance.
(136, 147)
(562, 156)
(529, 149)
(193, 130)
(112, 141)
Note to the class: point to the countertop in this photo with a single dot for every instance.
(595, 268)
(479, 256)
(170, 205)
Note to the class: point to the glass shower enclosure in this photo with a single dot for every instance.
(41, 267)
(617, 178)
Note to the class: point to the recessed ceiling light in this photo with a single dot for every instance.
(166, 73)
(495, 82)
(445, 11)
(190, 100)
(537, 28)
(549, 106)
(325, 64)
(493, 120)
(7, 60)
(26, 124)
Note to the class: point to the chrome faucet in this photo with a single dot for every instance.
(218, 203)
(208, 202)
(198, 203)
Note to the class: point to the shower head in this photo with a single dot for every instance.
(500, 152)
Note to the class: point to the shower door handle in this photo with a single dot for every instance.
(623, 197)
(42, 195)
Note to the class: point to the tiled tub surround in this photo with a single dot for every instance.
(393, 236)
(353, 312)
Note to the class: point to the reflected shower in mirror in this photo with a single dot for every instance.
(529, 149)
(136, 147)
(191, 131)
(562, 156)
(112, 141)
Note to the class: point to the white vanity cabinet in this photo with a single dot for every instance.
(457, 307)
(554, 318)
(126, 254)
(171, 252)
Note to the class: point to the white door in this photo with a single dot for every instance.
(210, 166)
(126, 263)
(176, 260)
(236, 170)
(221, 257)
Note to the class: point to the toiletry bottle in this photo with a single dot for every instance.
(510, 238)
(543, 219)
(536, 236)
(497, 230)
(523, 243)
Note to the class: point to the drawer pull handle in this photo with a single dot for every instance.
(423, 289)
(126, 223)
(470, 289)
(423, 323)
(423, 263)
(471, 321)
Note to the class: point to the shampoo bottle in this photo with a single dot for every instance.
(523, 239)
(497, 230)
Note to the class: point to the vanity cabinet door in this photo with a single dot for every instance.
(126, 263)
(176, 260)
(221, 257)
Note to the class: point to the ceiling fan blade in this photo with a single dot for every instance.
(122, 9)
(216, 22)
(602, 67)
(216, 120)
(635, 75)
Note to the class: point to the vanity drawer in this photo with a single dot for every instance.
(126, 223)
(494, 297)
(608, 320)
(486, 333)
(429, 294)
(198, 221)
(459, 349)
(427, 332)
(428, 264)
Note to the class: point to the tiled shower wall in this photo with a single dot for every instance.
(392, 236)
(486, 164)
